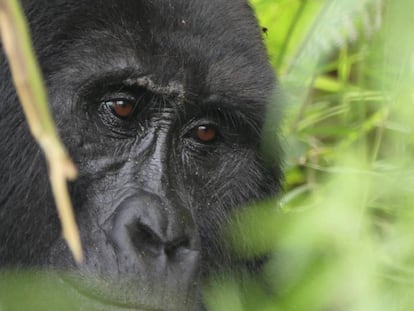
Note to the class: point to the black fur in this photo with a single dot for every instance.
(144, 181)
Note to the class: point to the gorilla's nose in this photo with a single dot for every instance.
(147, 226)
(149, 239)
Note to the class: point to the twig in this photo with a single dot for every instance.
(32, 94)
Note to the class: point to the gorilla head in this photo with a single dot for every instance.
(161, 105)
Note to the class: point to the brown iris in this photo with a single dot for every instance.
(205, 133)
(122, 108)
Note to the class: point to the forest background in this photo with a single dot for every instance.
(342, 233)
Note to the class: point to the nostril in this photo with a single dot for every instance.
(174, 247)
(147, 242)
(145, 239)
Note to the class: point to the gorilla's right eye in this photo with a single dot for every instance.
(122, 108)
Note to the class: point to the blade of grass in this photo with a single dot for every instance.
(289, 33)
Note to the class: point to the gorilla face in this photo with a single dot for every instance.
(161, 106)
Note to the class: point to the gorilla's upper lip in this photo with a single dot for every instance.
(84, 294)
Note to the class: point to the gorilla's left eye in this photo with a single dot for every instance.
(122, 108)
(205, 133)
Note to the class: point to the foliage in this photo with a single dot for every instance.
(341, 234)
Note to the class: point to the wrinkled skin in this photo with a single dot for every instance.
(161, 105)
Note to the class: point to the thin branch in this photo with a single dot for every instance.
(32, 94)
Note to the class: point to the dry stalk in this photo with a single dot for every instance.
(30, 88)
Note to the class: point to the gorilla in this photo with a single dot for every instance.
(161, 105)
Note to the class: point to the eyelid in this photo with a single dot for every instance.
(119, 96)
(199, 122)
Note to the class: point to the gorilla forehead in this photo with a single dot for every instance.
(210, 47)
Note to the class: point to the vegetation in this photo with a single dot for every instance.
(342, 233)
